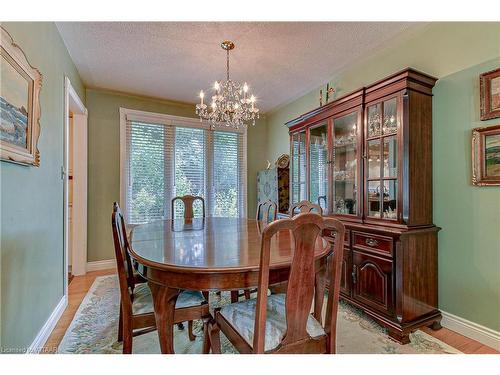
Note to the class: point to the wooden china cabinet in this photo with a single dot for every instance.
(366, 158)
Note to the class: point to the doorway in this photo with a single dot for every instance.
(74, 172)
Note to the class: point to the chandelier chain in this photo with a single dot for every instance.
(227, 65)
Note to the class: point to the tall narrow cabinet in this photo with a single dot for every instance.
(366, 158)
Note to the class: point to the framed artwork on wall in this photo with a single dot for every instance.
(486, 156)
(19, 105)
(489, 85)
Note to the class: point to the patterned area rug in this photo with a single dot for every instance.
(95, 325)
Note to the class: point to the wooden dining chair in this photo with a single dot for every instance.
(188, 202)
(267, 211)
(283, 323)
(305, 206)
(297, 208)
(322, 199)
(136, 303)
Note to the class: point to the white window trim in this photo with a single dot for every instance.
(169, 120)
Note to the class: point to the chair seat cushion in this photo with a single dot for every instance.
(143, 300)
(241, 316)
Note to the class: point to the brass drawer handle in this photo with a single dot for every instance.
(371, 242)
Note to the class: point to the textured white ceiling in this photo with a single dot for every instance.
(174, 60)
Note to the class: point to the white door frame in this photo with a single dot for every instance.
(74, 105)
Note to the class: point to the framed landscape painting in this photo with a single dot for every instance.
(19, 105)
(486, 156)
(489, 83)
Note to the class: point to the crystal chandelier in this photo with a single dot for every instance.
(232, 105)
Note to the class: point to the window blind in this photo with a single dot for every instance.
(226, 175)
(295, 171)
(146, 150)
(318, 178)
(298, 168)
(189, 167)
(162, 160)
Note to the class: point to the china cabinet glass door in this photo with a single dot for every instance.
(345, 155)
(299, 171)
(382, 127)
(318, 163)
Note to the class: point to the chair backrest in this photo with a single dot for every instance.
(123, 260)
(267, 211)
(305, 206)
(305, 229)
(188, 201)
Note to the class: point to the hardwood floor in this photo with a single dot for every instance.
(462, 343)
(81, 284)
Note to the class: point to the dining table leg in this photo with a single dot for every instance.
(319, 291)
(164, 299)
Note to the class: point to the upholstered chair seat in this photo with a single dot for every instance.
(241, 316)
(143, 300)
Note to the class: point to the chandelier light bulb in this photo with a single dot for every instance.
(202, 95)
(216, 86)
(245, 88)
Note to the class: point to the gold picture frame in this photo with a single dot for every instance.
(489, 86)
(486, 156)
(19, 105)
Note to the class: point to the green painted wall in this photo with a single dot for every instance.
(469, 243)
(469, 277)
(31, 207)
(104, 159)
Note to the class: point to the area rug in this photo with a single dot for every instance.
(95, 325)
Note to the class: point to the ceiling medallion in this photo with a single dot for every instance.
(232, 105)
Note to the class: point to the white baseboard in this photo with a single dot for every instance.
(101, 265)
(484, 335)
(44, 333)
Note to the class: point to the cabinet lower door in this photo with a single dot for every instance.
(345, 280)
(346, 276)
(373, 281)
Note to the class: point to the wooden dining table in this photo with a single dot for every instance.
(211, 254)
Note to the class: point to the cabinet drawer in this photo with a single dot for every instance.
(331, 234)
(373, 243)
